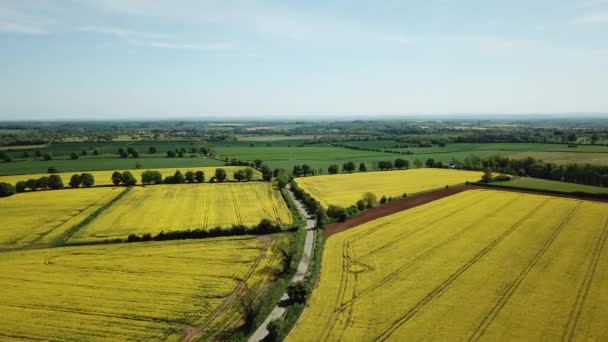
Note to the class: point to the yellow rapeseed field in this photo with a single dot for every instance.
(346, 189)
(157, 208)
(480, 265)
(37, 218)
(141, 291)
(105, 177)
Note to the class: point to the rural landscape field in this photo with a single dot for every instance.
(303, 171)
(481, 265)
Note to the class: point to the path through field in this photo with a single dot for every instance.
(279, 310)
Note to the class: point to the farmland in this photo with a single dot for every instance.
(38, 218)
(105, 177)
(544, 184)
(153, 209)
(139, 291)
(346, 189)
(479, 265)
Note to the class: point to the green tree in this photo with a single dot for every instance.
(31, 184)
(258, 163)
(55, 182)
(248, 174)
(282, 178)
(21, 186)
(266, 173)
(369, 199)
(116, 178)
(298, 292)
(52, 169)
(84, 153)
(151, 149)
(189, 175)
(430, 162)
(199, 176)
(337, 212)
(74, 156)
(401, 163)
(362, 167)
(220, 175)
(47, 156)
(170, 154)
(276, 330)
(7, 189)
(332, 169)
(417, 163)
(128, 179)
(297, 171)
(42, 182)
(348, 167)
(87, 179)
(178, 177)
(5, 157)
(360, 205)
(487, 175)
(75, 180)
(95, 152)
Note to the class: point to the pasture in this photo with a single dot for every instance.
(38, 218)
(347, 189)
(141, 291)
(545, 184)
(480, 265)
(157, 208)
(105, 177)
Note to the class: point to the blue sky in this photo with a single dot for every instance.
(97, 59)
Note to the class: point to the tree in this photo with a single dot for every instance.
(332, 169)
(7, 190)
(430, 162)
(21, 186)
(360, 205)
(55, 182)
(297, 171)
(282, 178)
(189, 175)
(128, 179)
(150, 176)
(362, 167)
(306, 170)
(487, 175)
(38, 154)
(199, 176)
(417, 163)
(170, 154)
(121, 151)
(401, 163)
(385, 165)
(42, 183)
(135, 154)
(258, 163)
(239, 175)
(370, 199)
(276, 330)
(178, 177)
(47, 156)
(87, 180)
(337, 212)
(116, 178)
(74, 156)
(95, 152)
(266, 173)
(52, 169)
(130, 150)
(84, 153)
(383, 200)
(75, 180)
(348, 167)
(151, 149)
(31, 184)
(124, 154)
(26, 154)
(298, 292)
(220, 175)
(248, 174)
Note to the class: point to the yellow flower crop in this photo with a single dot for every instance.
(139, 291)
(36, 218)
(157, 208)
(479, 265)
(346, 189)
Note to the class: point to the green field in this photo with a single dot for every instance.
(543, 184)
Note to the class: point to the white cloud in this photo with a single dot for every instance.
(592, 18)
(13, 21)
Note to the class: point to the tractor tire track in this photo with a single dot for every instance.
(454, 276)
(581, 297)
(482, 328)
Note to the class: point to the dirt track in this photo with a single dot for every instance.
(411, 202)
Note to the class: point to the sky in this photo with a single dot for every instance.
(138, 59)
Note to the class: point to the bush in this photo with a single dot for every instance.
(52, 169)
(298, 292)
(7, 190)
(128, 179)
(337, 212)
(276, 330)
(55, 182)
(501, 178)
(361, 205)
(21, 186)
(220, 175)
(383, 200)
(74, 156)
(75, 181)
(87, 179)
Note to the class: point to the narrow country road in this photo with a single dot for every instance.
(278, 311)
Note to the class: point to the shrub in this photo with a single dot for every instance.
(55, 182)
(7, 190)
(383, 199)
(360, 205)
(276, 330)
(21, 186)
(52, 169)
(298, 292)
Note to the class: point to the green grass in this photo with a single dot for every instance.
(317, 156)
(17, 167)
(504, 147)
(543, 184)
(109, 147)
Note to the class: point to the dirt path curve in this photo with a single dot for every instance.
(279, 310)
